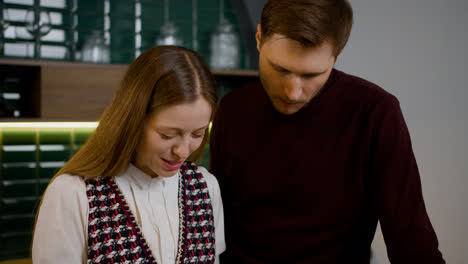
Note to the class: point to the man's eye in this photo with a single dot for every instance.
(309, 76)
(280, 69)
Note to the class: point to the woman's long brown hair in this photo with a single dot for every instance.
(160, 77)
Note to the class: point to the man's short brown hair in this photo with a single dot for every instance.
(310, 22)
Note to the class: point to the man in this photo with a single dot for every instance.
(310, 158)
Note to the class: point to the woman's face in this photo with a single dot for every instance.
(170, 136)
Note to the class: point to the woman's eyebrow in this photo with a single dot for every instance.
(202, 128)
(178, 129)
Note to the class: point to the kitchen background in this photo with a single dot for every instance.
(415, 49)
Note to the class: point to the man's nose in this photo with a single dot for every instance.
(293, 89)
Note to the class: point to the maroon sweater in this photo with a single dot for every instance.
(310, 187)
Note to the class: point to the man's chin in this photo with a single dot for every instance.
(287, 109)
(290, 112)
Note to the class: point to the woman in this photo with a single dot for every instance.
(131, 194)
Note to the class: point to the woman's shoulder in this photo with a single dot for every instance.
(212, 184)
(67, 184)
(66, 179)
(208, 176)
(66, 191)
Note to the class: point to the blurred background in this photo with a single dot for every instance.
(416, 50)
(61, 61)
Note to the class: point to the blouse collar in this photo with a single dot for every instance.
(142, 179)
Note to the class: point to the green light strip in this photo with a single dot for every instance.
(48, 124)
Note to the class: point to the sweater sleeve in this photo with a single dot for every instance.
(396, 189)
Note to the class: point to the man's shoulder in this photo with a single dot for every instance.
(363, 90)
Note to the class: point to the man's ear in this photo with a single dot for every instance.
(258, 36)
(337, 56)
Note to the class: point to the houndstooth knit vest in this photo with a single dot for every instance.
(115, 237)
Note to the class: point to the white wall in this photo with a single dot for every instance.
(416, 49)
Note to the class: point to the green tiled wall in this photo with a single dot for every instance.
(29, 158)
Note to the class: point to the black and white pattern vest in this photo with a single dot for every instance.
(115, 237)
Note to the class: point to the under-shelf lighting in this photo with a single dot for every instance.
(48, 124)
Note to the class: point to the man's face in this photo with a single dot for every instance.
(293, 74)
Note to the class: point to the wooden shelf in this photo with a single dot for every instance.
(240, 73)
(76, 91)
(66, 64)
(72, 64)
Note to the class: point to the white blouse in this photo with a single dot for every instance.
(61, 232)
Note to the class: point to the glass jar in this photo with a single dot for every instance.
(95, 49)
(224, 46)
(169, 35)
